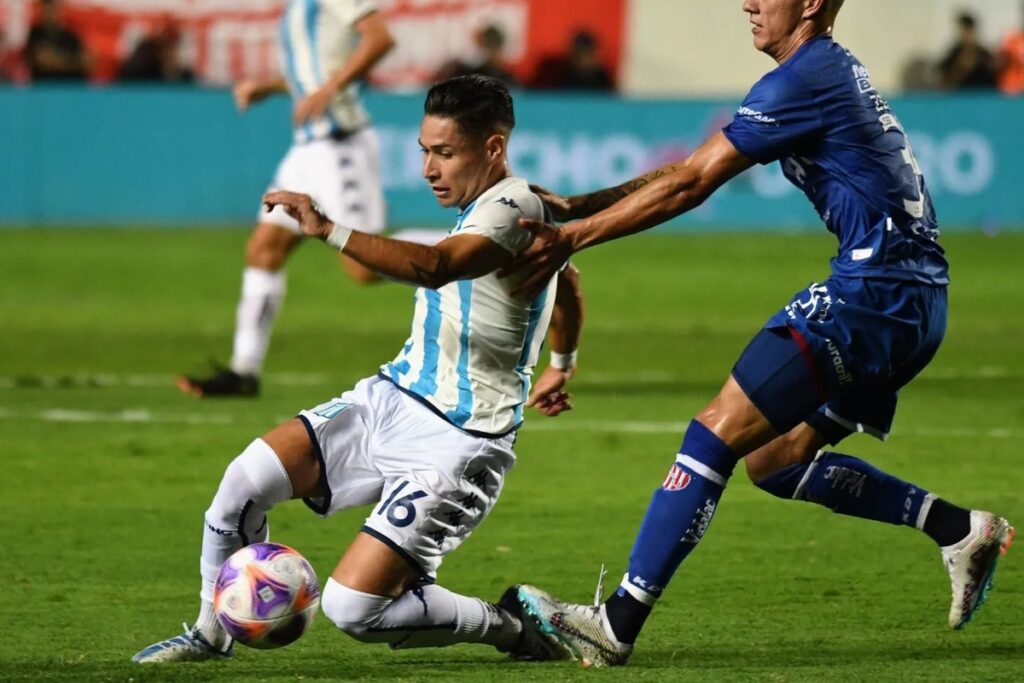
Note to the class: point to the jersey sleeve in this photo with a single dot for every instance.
(352, 11)
(498, 219)
(777, 114)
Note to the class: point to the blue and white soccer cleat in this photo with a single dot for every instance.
(534, 645)
(190, 646)
(972, 563)
(584, 629)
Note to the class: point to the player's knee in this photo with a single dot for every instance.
(788, 449)
(255, 479)
(352, 611)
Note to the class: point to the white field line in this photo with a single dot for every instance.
(145, 416)
(103, 380)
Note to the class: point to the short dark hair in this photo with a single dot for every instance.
(481, 105)
(967, 20)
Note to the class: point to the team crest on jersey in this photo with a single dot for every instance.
(677, 479)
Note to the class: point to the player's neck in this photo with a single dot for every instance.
(803, 35)
(493, 178)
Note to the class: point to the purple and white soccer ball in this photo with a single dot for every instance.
(266, 595)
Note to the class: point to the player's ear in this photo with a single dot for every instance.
(813, 8)
(495, 146)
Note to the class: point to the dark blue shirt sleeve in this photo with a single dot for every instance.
(778, 113)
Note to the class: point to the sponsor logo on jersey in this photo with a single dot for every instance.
(754, 114)
(509, 202)
(677, 479)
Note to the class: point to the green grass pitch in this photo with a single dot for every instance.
(106, 468)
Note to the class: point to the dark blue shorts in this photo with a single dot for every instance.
(838, 353)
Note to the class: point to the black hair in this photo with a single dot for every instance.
(481, 105)
(966, 20)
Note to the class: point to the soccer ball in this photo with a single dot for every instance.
(266, 595)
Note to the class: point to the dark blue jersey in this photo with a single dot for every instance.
(840, 143)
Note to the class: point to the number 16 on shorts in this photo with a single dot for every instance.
(399, 509)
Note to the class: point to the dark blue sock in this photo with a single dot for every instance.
(679, 514)
(850, 486)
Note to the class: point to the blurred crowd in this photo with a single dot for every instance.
(969, 64)
(52, 51)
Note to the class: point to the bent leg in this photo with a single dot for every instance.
(376, 596)
(270, 470)
(263, 290)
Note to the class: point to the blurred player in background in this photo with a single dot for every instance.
(431, 435)
(829, 363)
(326, 46)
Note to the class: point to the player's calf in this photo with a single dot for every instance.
(425, 616)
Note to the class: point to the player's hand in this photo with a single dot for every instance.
(549, 395)
(313, 105)
(302, 208)
(558, 204)
(246, 93)
(536, 264)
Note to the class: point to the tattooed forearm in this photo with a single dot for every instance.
(590, 204)
(432, 275)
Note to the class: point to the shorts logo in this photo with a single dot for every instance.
(677, 479)
(842, 374)
(333, 409)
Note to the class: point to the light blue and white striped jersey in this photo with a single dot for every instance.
(473, 346)
(317, 37)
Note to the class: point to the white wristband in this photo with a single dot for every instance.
(339, 236)
(563, 361)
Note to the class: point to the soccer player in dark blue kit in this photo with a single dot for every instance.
(828, 364)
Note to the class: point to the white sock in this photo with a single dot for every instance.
(253, 483)
(428, 616)
(262, 296)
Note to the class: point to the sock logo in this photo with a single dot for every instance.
(846, 480)
(677, 479)
(700, 523)
(642, 583)
(908, 505)
(219, 532)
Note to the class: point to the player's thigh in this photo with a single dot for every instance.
(441, 485)
(777, 374)
(269, 246)
(291, 443)
(342, 432)
(372, 566)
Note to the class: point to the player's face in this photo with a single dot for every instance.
(774, 23)
(457, 167)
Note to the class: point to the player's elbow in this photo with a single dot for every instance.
(687, 192)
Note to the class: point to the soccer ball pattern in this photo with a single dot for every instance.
(266, 595)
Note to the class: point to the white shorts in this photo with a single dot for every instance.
(342, 176)
(434, 483)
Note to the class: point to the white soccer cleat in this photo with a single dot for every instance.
(972, 562)
(190, 646)
(584, 629)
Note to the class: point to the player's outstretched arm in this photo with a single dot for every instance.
(549, 395)
(460, 257)
(656, 198)
(375, 41)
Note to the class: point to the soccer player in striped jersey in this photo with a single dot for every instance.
(829, 363)
(430, 437)
(326, 46)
